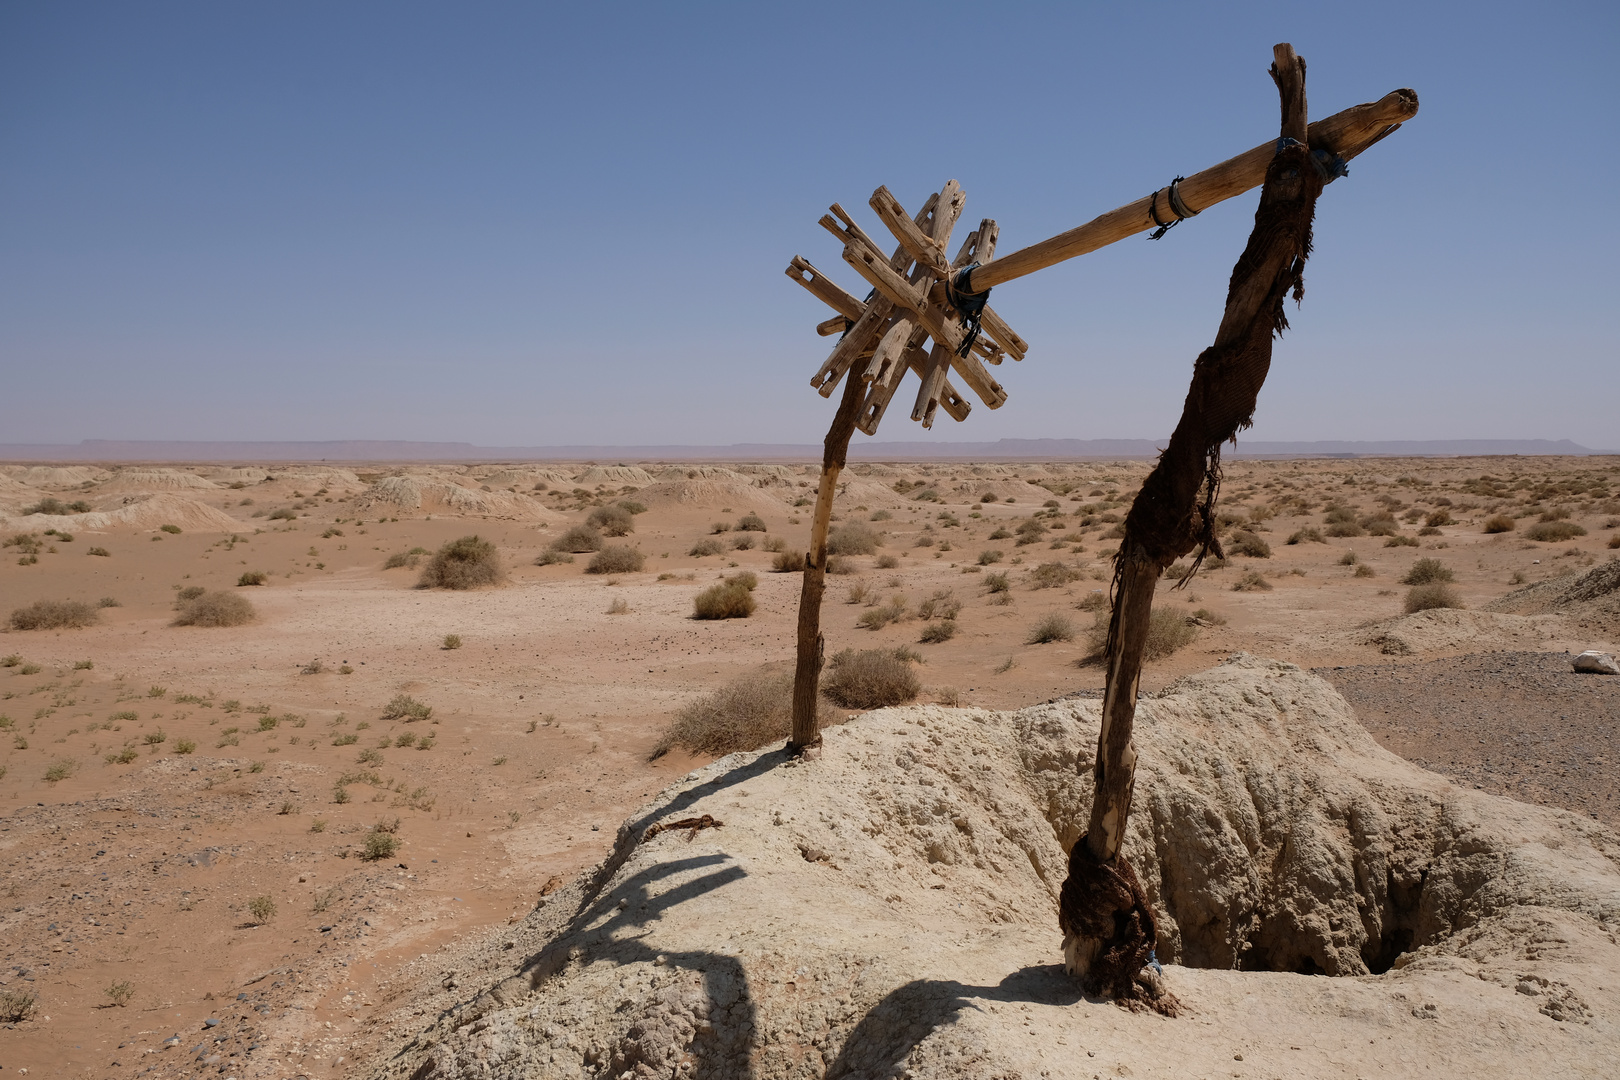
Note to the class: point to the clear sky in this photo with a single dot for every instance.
(533, 224)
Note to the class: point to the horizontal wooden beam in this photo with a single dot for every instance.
(1346, 134)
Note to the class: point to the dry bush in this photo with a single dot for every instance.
(1614, 541)
(751, 523)
(888, 562)
(989, 557)
(773, 544)
(214, 608)
(54, 615)
(1252, 582)
(1052, 575)
(1438, 518)
(616, 559)
(837, 564)
(742, 542)
(579, 540)
(705, 547)
(406, 708)
(942, 605)
(466, 563)
(1168, 631)
(1435, 594)
(1053, 627)
(727, 600)
(1552, 532)
(262, 908)
(788, 562)
(1363, 570)
(252, 577)
(876, 618)
(1345, 528)
(1380, 524)
(1499, 523)
(551, 557)
(1096, 600)
(612, 521)
(871, 679)
(1401, 541)
(1425, 571)
(381, 843)
(408, 559)
(1247, 543)
(853, 538)
(1307, 536)
(745, 714)
(1347, 559)
(940, 631)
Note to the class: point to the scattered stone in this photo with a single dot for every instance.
(1592, 662)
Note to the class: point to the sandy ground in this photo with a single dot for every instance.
(143, 871)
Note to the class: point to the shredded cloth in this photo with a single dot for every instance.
(1105, 902)
(694, 823)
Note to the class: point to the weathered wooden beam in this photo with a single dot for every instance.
(919, 245)
(822, 288)
(1345, 134)
(835, 325)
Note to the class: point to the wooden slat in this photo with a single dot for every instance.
(932, 385)
(861, 337)
(835, 325)
(822, 288)
(920, 245)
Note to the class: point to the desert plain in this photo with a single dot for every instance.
(290, 847)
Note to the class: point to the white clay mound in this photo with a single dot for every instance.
(889, 911)
(527, 478)
(150, 512)
(139, 481)
(617, 475)
(1450, 628)
(1020, 492)
(738, 494)
(247, 474)
(435, 496)
(55, 476)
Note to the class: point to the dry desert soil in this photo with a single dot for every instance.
(223, 854)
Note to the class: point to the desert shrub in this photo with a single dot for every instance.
(1252, 582)
(1380, 524)
(213, 608)
(631, 506)
(1206, 615)
(837, 564)
(1001, 534)
(580, 539)
(1363, 570)
(552, 556)
(406, 708)
(347, 739)
(853, 538)
(876, 618)
(465, 563)
(1052, 575)
(451, 641)
(121, 992)
(1426, 570)
(1307, 536)
(997, 583)
(705, 547)
(727, 600)
(942, 605)
(252, 577)
(109, 601)
(1345, 528)
(612, 521)
(1053, 627)
(1347, 559)
(60, 769)
(1168, 631)
(887, 562)
(989, 557)
(773, 544)
(880, 515)
(380, 844)
(742, 542)
(720, 527)
(870, 679)
(751, 523)
(616, 559)
(262, 908)
(369, 756)
(54, 615)
(190, 592)
(17, 1006)
(788, 562)
(939, 631)
(745, 714)
(746, 578)
(1247, 543)
(185, 746)
(1096, 600)
(284, 514)
(401, 558)
(1551, 532)
(1499, 523)
(55, 506)
(1435, 594)
(1438, 518)
(101, 551)
(1401, 541)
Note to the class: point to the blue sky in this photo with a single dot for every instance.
(530, 224)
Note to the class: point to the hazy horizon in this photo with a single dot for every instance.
(523, 225)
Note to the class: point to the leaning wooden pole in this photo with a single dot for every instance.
(1109, 930)
(811, 645)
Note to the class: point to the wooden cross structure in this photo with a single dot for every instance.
(919, 296)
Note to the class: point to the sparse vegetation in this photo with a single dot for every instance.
(997, 583)
(1053, 627)
(381, 843)
(1168, 631)
(406, 708)
(465, 563)
(450, 641)
(1247, 543)
(252, 577)
(1401, 541)
(17, 1006)
(60, 769)
(871, 679)
(1052, 575)
(1425, 571)
(262, 908)
(101, 551)
(616, 559)
(853, 538)
(788, 562)
(612, 521)
(940, 630)
(705, 547)
(1554, 532)
(54, 615)
(745, 714)
(1499, 523)
(751, 523)
(989, 557)
(121, 993)
(1434, 594)
(727, 600)
(1251, 581)
(214, 608)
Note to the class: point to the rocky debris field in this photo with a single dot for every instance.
(1521, 724)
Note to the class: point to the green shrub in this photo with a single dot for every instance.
(56, 507)
(262, 908)
(745, 714)
(1499, 523)
(1053, 627)
(751, 523)
(1435, 594)
(1247, 543)
(466, 563)
(1426, 570)
(853, 538)
(60, 769)
(380, 845)
(871, 679)
(173, 530)
(938, 631)
(214, 609)
(54, 615)
(185, 746)
(121, 992)
(1551, 532)
(616, 559)
(406, 708)
(252, 577)
(612, 521)
(347, 739)
(727, 600)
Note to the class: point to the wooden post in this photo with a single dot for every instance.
(1107, 922)
(811, 646)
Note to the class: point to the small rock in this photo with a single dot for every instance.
(1592, 662)
(210, 1022)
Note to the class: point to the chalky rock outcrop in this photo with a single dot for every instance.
(889, 910)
